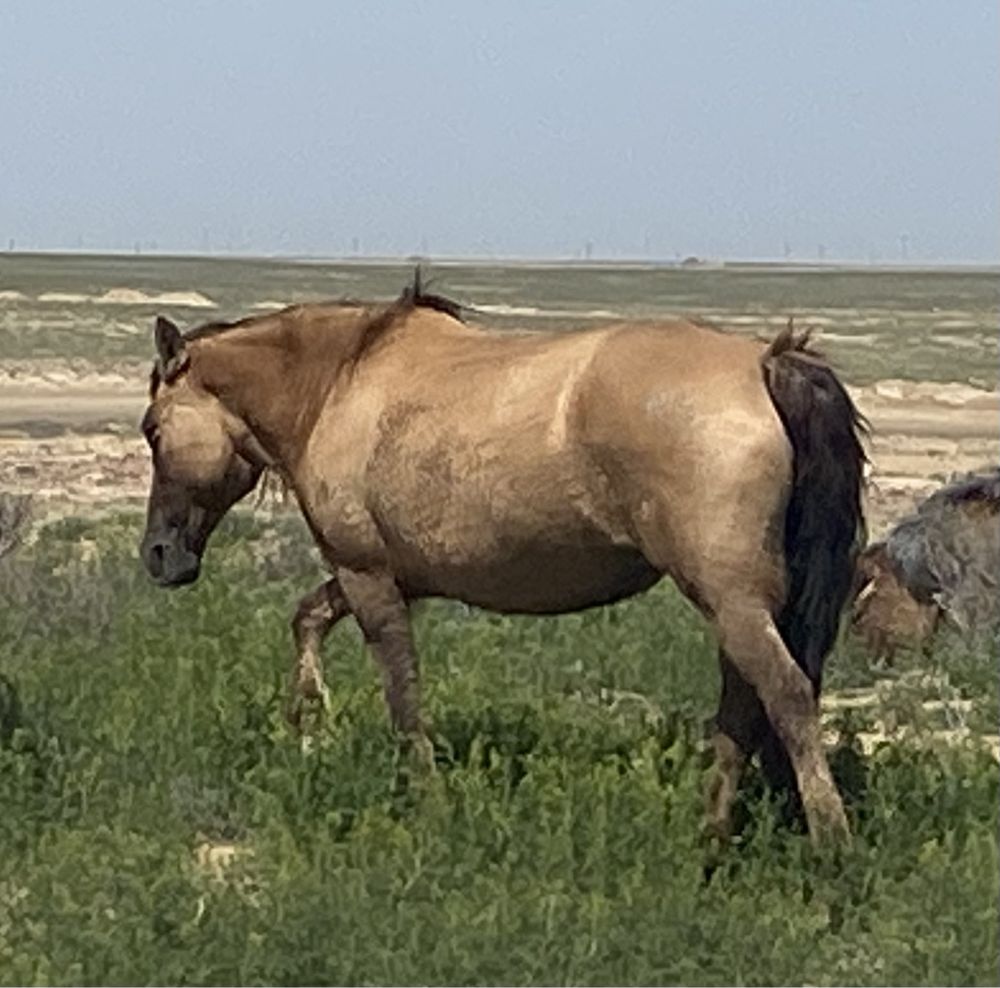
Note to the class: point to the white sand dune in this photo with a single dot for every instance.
(949, 393)
(962, 342)
(72, 297)
(132, 296)
(858, 339)
(956, 324)
(122, 296)
(500, 309)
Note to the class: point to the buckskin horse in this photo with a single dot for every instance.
(533, 473)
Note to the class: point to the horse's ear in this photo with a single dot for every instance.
(171, 352)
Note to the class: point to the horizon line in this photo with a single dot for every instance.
(690, 262)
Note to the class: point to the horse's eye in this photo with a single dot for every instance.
(149, 427)
(152, 437)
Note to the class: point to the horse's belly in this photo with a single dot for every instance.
(533, 579)
(525, 525)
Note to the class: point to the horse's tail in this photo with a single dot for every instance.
(823, 524)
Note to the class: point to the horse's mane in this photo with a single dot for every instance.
(378, 320)
(383, 319)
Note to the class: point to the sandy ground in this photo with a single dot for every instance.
(69, 436)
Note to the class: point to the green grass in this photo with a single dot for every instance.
(559, 842)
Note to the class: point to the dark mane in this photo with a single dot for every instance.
(376, 323)
(217, 328)
(381, 321)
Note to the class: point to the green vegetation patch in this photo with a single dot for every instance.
(160, 824)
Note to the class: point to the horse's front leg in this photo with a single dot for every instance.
(381, 611)
(316, 615)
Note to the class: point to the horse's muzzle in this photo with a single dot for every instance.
(170, 564)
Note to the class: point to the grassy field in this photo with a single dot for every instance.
(159, 824)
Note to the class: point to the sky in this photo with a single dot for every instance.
(648, 129)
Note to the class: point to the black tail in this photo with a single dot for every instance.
(824, 526)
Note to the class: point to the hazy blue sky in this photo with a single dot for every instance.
(715, 127)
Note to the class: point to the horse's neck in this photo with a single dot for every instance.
(275, 379)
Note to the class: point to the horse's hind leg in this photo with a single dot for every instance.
(317, 613)
(751, 640)
(739, 725)
(741, 731)
(725, 550)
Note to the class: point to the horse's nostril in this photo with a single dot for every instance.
(154, 559)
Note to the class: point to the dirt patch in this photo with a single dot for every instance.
(922, 435)
(74, 472)
(944, 718)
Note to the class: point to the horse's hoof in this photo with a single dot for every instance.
(306, 710)
(829, 827)
(419, 753)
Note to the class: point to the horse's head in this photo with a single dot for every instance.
(885, 613)
(203, 462)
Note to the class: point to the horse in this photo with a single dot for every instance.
(936, 566)
(532, 473)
